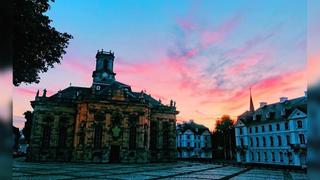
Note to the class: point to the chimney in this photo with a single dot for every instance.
(283, 99)
(263, 104)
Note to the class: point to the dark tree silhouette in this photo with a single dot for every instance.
(28, 115)
(37, 45)
(17, 135)
(224, 135)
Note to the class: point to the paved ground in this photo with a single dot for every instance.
(179, 170)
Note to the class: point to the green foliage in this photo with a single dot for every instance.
(28, 115)
(37, 45)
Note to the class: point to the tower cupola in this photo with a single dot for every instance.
(104, 67)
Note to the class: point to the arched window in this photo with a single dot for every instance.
(82, 133)
(257, 141)
(97, 136)
(279, 141)
(271, 141)
(62, 136)
(132, 137)
(46, 135)
(264, 141)
(153, 135)
(165, 135)
(145, 139)
(62, 132)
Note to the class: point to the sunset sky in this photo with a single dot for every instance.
(205, 55)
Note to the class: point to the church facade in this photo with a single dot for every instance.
(107, 122)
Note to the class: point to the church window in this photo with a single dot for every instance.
(62, 132)
(132, 137)
(153, 135)
(97, 136)
(62, 136)
(146, 135)
(165, 135)
(46, 136)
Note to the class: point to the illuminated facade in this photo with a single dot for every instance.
(274, 134)
(106, 122)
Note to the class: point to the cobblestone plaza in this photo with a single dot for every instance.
(178, 170)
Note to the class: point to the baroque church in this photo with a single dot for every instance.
(107, 122)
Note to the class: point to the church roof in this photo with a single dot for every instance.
(74, 92)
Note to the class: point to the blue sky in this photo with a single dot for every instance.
(204, 54)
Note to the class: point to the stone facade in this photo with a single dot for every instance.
(106, 122)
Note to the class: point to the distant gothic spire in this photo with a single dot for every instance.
(251, 102)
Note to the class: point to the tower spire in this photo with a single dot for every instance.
(251, 102)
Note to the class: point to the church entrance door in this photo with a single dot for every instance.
(114, 154)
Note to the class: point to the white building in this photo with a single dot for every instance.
(273, 134)
(193, 141)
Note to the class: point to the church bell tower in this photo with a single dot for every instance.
(103, 73)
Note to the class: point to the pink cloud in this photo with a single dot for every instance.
(209, 37)
(246, 63)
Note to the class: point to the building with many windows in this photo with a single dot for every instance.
(274, 133)
(193, 140)
(107, 122)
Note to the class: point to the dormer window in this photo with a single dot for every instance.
(270, 115)
(258, 117)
